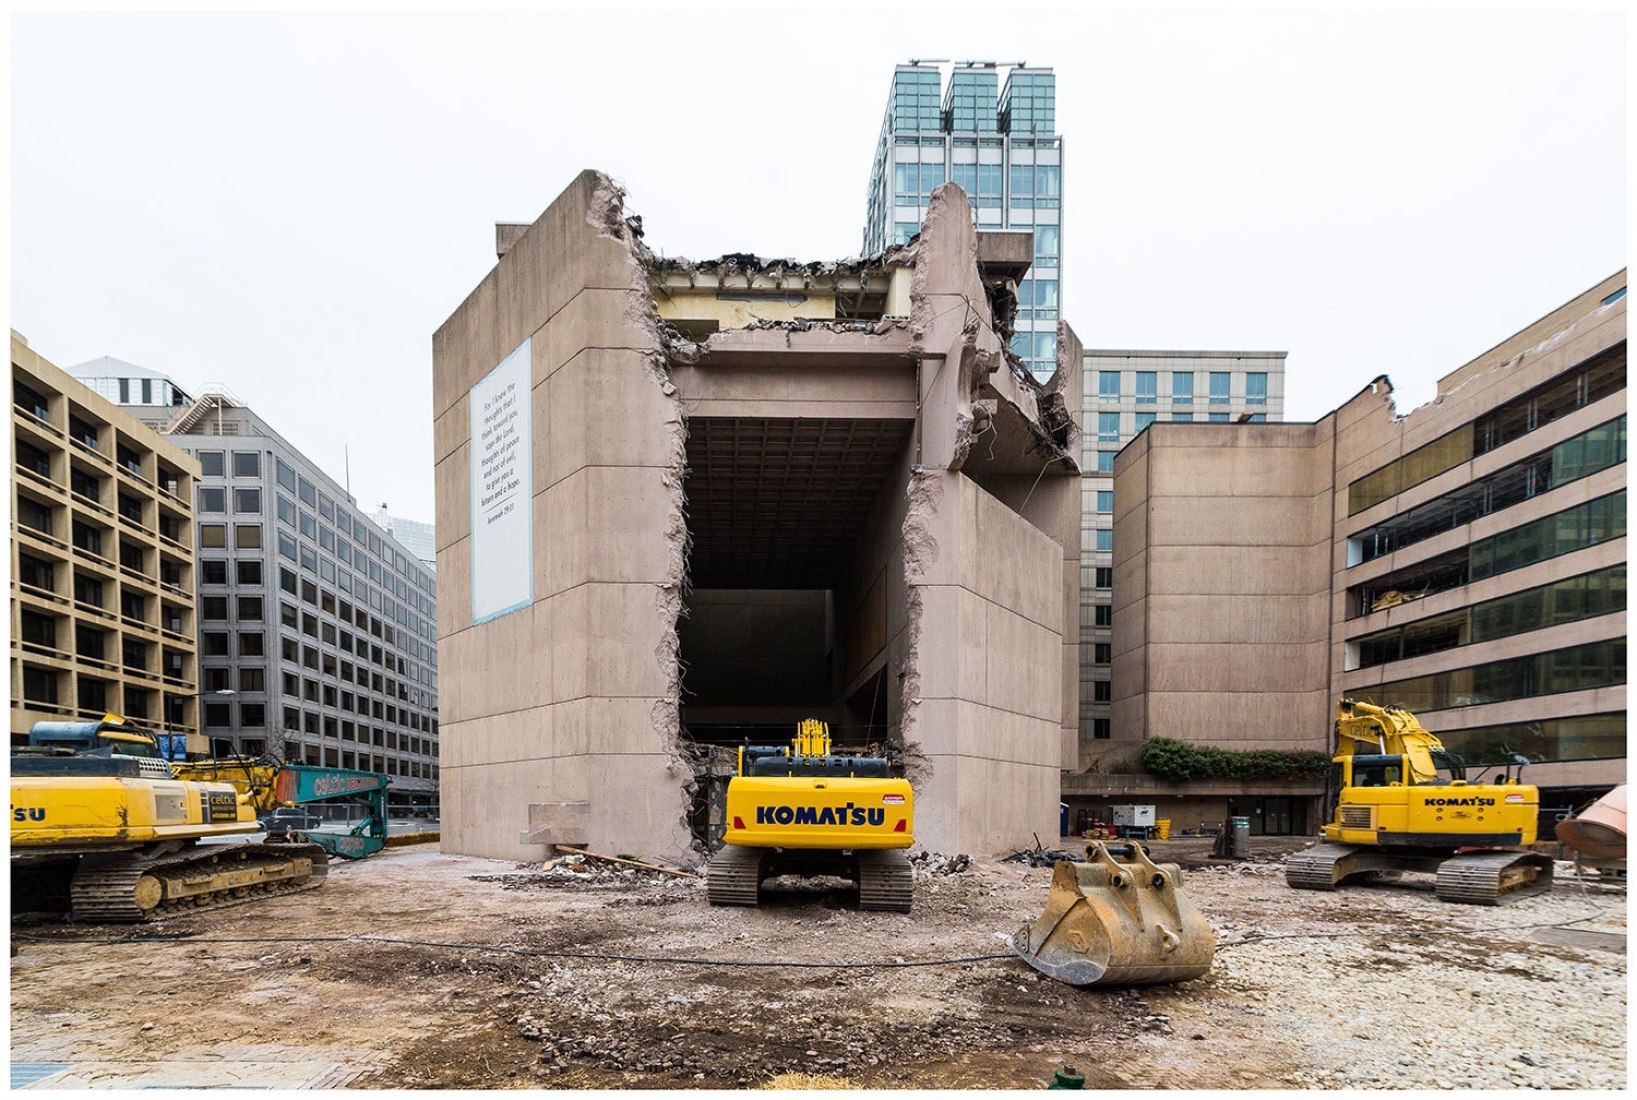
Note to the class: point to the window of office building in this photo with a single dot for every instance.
(1143, 420)
(1100, 691)
(1105, 461)
(1102, 653)
(1102, 615)
(1100, 728)
(1182, 387)
(212, 499)
(1108, 384)
(1256, 388)
(1183, 418)
(252, 644)
(247, 500)
(247, 536)
(1593, 450)
(1582, 737)
(210, 463)
(1105, 501)
(1221, 383)
(213, 571)
(1573, 668)
(1108, 427)
(1147, 383)
(1218, 418)
(246, 464)
(213, 536)
(1104, 577)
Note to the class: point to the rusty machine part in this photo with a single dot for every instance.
(1599, 831)
(1117, 921)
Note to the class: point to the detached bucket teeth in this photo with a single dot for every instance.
(1111, 922)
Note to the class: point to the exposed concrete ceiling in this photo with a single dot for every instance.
(779, 503)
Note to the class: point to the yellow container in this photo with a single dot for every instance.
(1163, 825)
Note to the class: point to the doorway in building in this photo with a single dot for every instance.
(1273, 816)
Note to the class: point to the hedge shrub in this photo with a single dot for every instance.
(1178, 760)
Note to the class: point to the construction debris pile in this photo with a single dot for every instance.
(590, 870)
(1043, 857)
(927, 865)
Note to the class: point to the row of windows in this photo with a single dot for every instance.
(213, 499)
(1108, 426)
(1569, 600)
(1563, 532)
(1550, 536)
(1590, 381)
(1583, 737)
(300, 721)
(1220, 385)
(214, 463)
(1571, 460)
(1574, 668)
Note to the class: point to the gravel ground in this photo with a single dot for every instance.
(1476, 997)
(1379, 987)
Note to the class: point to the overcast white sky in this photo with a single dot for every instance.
(290, 204)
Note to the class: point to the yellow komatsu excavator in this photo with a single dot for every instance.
(1403, 803)
(805, 810)
(103, 829)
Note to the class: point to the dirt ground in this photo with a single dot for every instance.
(522, 980)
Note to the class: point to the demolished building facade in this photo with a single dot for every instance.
(684, 505)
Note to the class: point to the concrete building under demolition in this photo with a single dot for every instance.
(684, 505)
(1466, 560)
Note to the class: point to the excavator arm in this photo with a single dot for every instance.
(1390, 731)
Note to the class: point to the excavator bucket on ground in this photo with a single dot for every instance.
(1116, 922)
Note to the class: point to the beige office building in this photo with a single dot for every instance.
(1466, 560)
(685, 505)
(102, 567)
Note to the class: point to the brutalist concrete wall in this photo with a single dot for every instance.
(571, 698)
(1222, 587)
(987, 607)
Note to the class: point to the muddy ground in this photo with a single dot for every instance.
(487, 974)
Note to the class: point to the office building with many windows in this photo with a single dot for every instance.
(318, 621)
(998, 141)
(102, 560)
(1122, 393)
(1466, 561)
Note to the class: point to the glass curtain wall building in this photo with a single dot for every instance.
(998, 141)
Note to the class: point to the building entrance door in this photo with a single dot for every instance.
(1281, 816)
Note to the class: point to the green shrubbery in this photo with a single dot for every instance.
(1178, 760)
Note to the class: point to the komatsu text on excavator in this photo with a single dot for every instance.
(1403, 803)
(804, 810)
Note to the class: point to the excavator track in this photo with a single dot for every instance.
(885, 881)
(131, 887)
(1327, 866)
(734, 876)
(1489, 878)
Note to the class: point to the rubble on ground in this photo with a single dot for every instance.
(928, 864)
(588, 871)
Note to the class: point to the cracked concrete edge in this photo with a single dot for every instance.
(925, 492)
(607, 215)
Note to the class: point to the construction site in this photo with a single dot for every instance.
(416, 969)
(758, 593)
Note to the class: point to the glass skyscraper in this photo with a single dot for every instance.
(999, 143)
